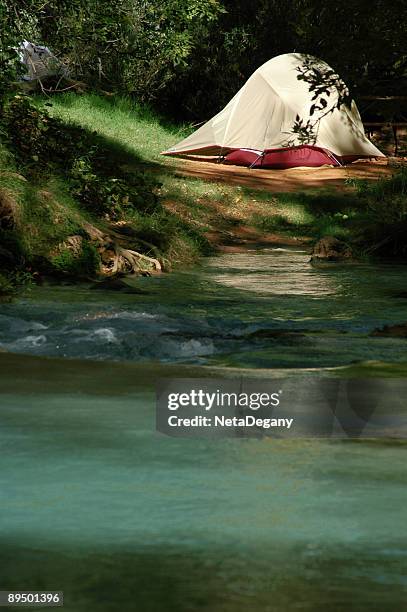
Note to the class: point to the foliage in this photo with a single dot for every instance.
(131, 44)
(26, 128)
(13, 281)
(188, 57)
(92, 180)
(386, 198)
(384, 226)
(363, 41)
(395, 185)
(11, 241)
(84, 263)
(6, 286)
(8, 39)
(104, 194)
(44, 143)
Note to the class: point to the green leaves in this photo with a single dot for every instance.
(173, 52)
(45, 145)
(132, 45)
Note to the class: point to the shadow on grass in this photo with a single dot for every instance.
(205, 196)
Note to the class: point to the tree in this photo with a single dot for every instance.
(189, 57)
(363, 41)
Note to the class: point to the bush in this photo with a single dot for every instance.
(46, 145)
(11, 241)
(109, 195)
(13, 282)
(386, 199)
(85, 263)
(385, 224)
(6, 286)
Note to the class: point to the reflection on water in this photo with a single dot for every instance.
(281, 273)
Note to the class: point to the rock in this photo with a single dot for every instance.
(74, 244)
(392, 331)
(165, 265)
(330, 248)
(116, 284)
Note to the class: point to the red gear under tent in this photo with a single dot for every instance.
(256, 127)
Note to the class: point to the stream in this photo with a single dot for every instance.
(98, 504)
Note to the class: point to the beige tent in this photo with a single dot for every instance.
(255, 127)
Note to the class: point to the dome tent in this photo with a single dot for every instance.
(256, 127)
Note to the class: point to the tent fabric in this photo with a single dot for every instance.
(261, 116)
(289, 157)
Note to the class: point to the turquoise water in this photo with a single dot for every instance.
(96, 503)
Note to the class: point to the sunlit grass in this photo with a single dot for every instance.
(117, 118)
(191, 214)
(146, 134)
(205, 204)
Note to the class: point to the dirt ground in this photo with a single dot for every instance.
(229, 226)
(293, 179)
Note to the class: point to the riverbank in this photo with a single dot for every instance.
(235, 206)
(85, 193)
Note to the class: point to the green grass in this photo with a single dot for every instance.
(313, 214)
(143, 134)
(134, 137)
(44, 216)
(48, 211)
(139, 129)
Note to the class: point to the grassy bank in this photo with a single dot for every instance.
(85, 192)
(371, 217)
(76, 202)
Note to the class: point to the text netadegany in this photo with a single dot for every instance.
(222, 421)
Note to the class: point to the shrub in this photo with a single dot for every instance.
(45, 144)
(11, 241)
(109, 195)
(84, 263)
(386, 199)
(13, 282)
(385, 224)
(6, 286)
(40, 142)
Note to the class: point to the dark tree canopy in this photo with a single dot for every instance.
(188, 57)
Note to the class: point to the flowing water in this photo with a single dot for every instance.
(98, 504)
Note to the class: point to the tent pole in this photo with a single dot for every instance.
(256, 160)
